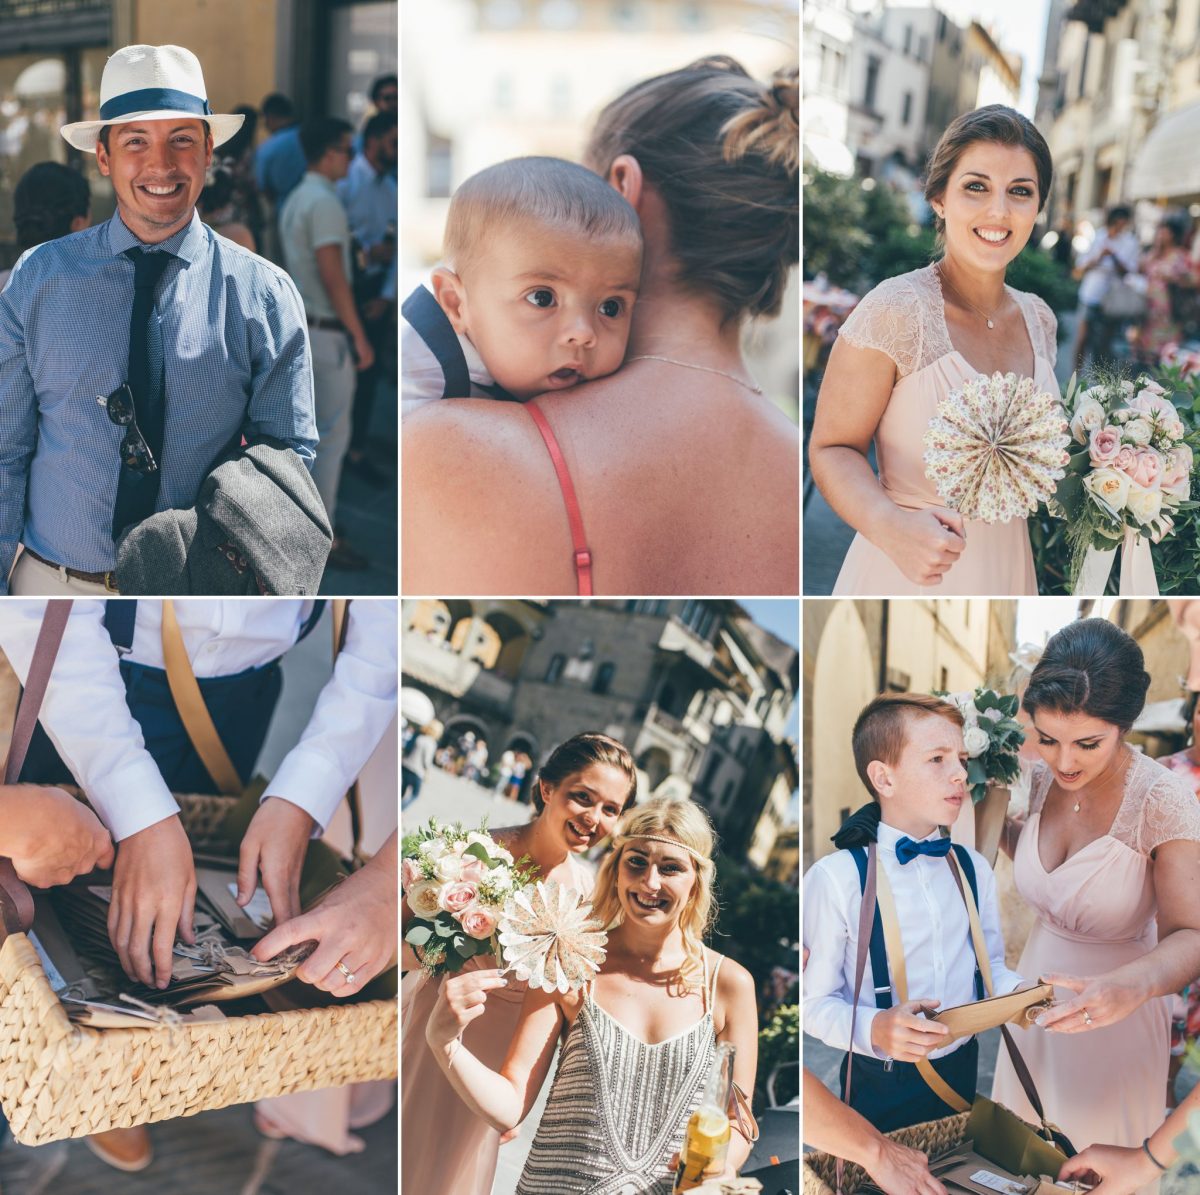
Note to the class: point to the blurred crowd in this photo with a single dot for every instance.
(270, 188)
(465, 755)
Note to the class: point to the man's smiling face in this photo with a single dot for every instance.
(157, 169)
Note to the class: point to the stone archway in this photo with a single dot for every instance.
(843, 682)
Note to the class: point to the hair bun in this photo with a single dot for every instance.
(771, 128)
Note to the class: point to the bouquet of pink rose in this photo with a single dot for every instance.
(456, 883)
(1130, 478)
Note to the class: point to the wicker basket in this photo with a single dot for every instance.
(932, 1137)
(63, 1080)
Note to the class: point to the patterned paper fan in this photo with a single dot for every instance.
(548, 939)
(996, 448)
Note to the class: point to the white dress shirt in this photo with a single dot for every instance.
(1100, 271)
(934, 929)
(86, 716)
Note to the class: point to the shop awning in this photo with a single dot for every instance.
(829, 155)
(1168, 165)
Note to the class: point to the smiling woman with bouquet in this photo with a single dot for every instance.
(916, 343)
(579, 793)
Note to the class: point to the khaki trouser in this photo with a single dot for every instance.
(32, 578)
(334, 378)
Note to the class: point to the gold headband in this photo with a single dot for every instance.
(622, 839)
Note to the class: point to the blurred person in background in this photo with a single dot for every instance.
(385, 97)
(1113, 254)
(314, 234)
(217, 210)
(51, 201)
(370, 197)
(278, 164)
(1168, 269)
(237, 156)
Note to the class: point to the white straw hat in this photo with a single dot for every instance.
(151, 83)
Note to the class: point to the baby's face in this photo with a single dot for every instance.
(547, 309)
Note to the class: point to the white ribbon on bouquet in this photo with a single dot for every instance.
(1138, 578)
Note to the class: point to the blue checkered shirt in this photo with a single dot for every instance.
(237, 362)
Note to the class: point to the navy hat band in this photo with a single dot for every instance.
(152, 99)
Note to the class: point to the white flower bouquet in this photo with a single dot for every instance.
(1131, 472)
(992, 737)
(457, 884)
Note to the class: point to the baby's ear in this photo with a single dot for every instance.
(451, 297)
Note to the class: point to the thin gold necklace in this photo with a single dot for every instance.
(954, 289)
(1124, 769)
(703, 368)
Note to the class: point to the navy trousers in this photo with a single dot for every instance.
(898, 1098)
(241, 706)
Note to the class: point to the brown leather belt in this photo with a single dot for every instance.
(327, 325)
(108, 580)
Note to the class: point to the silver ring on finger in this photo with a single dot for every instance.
(349, 975)
(1087, 1016)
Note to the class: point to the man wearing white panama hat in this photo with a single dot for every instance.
(133, 355)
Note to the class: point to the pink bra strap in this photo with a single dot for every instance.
(583, 555)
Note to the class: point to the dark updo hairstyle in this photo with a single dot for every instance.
(47, 198)
(723, 152)
(580, 752)
(1090, 667)
(994, 123)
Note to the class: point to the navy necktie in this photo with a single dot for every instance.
(907, 850)
(137, 493)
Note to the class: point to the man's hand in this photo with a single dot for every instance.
(274, 845)
(903, 1034)
(154, 894)
(50, 837)
(364, 354)
(899, 1170)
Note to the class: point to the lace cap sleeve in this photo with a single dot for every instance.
(1171, 810)
(1039, 785)
(888, 319)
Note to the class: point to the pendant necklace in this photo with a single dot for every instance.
(954, 290)
(751, 386)
(1128, 757)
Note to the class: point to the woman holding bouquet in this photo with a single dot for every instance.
(447, 1148)
(638, 1041)
(1109, 859)
(917, 337)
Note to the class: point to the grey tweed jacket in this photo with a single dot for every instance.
(258, 527)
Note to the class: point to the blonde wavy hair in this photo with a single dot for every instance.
(684, 821)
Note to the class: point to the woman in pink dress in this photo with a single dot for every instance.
(914, 339)
(1166, 265)
(446, 1149)
(1108, 859)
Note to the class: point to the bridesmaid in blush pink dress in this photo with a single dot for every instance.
(446, 1149)
(905, 318)
(1107, 860)
(913, 340)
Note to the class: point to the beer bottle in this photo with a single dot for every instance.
(707, 1139)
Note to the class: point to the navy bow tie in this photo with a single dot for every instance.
(907, 850)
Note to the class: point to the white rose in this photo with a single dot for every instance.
(1138, 431)
(992, 715)
(1111, 486)
(481, 839)
(500, 877)
(500, 853)
(1144, 504)
(434, 848)
(1089, 416)
(424, 898)
(449, 867)
(975, 740)
(1128, 387)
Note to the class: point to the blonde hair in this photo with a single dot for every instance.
(551, 192)
(434, 729)
(722, 150)
(684, 821)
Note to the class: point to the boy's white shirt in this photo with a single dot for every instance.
(421, 378)
(934, 928)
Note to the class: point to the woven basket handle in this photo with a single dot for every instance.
(16, 903)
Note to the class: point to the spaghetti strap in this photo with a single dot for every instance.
(711, 988)
(582, 554)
